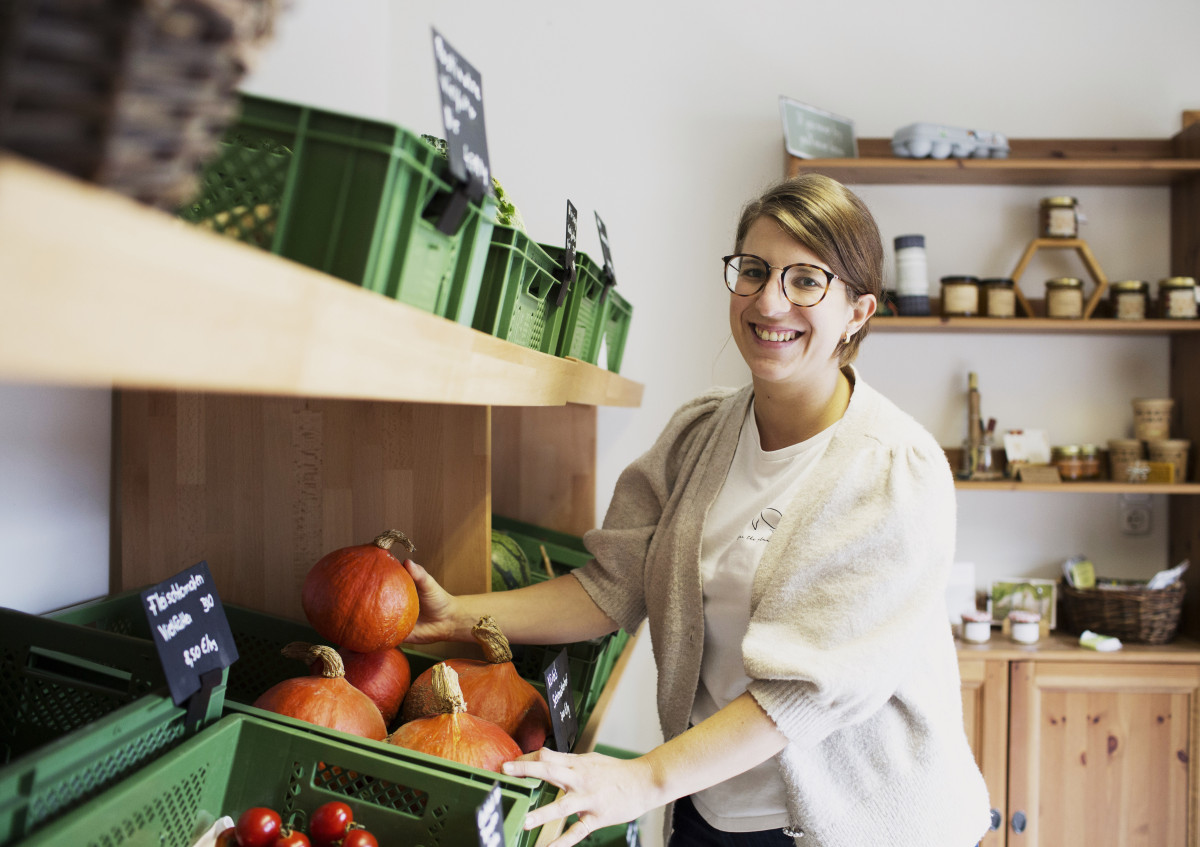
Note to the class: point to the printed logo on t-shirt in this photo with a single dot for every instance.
(762, 526)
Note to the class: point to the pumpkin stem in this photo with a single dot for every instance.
(332, 666)
(489, 637)
(385, 540)
(447, 694)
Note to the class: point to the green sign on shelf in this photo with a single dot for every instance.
(813, 133)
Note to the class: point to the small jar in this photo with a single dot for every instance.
(1177, 298)
(1089, 461)
(1025, 627)
(912, 275)
(999, 298)
(1064, 297)
(960, 297)
(976, 626)
(1058, 217)
(1130, 299)
(1068, 459)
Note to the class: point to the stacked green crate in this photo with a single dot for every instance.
(352, 197)
(584, 319)
(79, 711)
(618, 313)
(243, 761)
(517, 299)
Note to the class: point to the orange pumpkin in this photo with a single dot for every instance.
(326, 700)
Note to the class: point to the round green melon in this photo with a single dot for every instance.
(510, 566)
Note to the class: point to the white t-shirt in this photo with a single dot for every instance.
(758, 487)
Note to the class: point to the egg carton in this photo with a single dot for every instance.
(924, 140)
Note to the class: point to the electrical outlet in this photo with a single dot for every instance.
(1136, 514)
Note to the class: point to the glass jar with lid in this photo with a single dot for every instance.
(1068, 459)
(1177, 298)
(999, 297)
(1129, 299)
(1064, 297)
(960, 296)
(1089, 461)
(1058, 217)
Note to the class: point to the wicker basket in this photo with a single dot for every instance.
(1134, 614)
(130, 94)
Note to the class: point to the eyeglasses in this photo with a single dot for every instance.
(803, 285)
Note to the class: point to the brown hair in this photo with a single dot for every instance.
(834, 223)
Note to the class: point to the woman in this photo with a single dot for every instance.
(789, 543)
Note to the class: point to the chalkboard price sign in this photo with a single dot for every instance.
(461, 90)
(812, 133)
(609, 273)
(189, 628)
(489, 819)
(563, 717)
(569, 271)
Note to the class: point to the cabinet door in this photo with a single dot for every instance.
(1102, 753)
(985, 718)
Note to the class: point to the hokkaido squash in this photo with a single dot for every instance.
(361, 598)
(451, 733)
(326, 699)
(492, 688)
(383, 675)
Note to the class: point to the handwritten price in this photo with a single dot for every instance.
(191, 655)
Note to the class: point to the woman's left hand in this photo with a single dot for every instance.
(600, 789)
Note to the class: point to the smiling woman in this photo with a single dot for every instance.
(789, 543)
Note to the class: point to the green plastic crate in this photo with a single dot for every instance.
(79, 711)
(242, 761)
(583, 322)
(590, 662)
(517, 296)
(618, 313)
(348, 196)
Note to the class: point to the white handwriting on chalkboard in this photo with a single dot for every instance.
(208, 603)
(475, 164)
(161, 602)
(192, 654)
(557, 696)
(449, 61)
(177, 624)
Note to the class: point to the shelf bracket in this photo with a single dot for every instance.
(1085, 253)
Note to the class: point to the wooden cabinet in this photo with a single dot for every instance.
(1082, 748)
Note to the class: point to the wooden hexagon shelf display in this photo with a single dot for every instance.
(1089, 261)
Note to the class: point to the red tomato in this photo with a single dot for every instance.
(258, 827)
(227, 838)
(359, 838)
(291, 838)
(329, 822)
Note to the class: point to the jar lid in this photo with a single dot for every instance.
(970, 280)
(1130, 285)
(902, 241)
(1059, 201)
(977, 616)
(1066, 450)
(1022, 616)
(998, 282)
(1090, 450)
(1177, 282)
(1065, 282)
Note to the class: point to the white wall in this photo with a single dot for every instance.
(663, 116)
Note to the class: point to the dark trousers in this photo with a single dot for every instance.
(691, 830)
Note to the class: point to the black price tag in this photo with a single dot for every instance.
(569, 271)
(562, 702)
(489, 819)
(608, 262)
(633, 834)
(190, 631)
(461, 90)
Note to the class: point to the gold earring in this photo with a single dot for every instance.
(846, 340)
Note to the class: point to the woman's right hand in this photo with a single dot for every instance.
(438, 608)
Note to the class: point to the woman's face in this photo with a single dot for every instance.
(780, 341)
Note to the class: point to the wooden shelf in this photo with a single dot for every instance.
(1108, 162)
(1060, 646)
(1048, 326)
(1099, 487)
(101, 291)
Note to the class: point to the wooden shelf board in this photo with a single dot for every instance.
(102, 291)
(1145, 162)
(1091, 326)
(1100, 487)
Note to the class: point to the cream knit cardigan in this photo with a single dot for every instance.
(849, 648)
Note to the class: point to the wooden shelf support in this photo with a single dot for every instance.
(1080, 246)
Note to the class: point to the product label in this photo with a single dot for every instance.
(1060, 222)
(489, 819)
(960, 299)
(461, 91)
(1001, 303)
(1131, 306)
(1181, 304)
(1064, 303)
(561, 700)
(189, 628)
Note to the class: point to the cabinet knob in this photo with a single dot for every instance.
(1018, 822)
(997, 820)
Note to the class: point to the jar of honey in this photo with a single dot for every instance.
(960, 296)
(1069, 461)
(1177, 298)
(1064, 297)
(1058, 217)
(1130, 299)
(1089, 461)
(999, 297)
